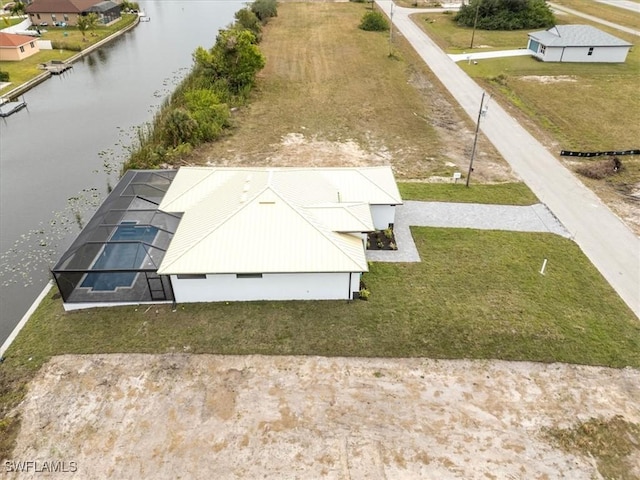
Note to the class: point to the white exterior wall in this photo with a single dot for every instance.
(600, 54)
(383, 215)
(281, 286)
(552, 54)
(581, 54)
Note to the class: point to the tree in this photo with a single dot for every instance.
(18, 9)
(235, 59)
(87, 22)
(505, 14)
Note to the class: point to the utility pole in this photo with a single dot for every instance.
(481, 113)
(391, 31)
(475, 22)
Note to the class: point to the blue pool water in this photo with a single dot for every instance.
(120, 256)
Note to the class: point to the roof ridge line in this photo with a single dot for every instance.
(313, 224)
(225, 220)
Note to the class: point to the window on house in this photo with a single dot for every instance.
(543, 49)
(590, 51)
(38, 15)
(192, 277)
(22, 49)
(32, 44)
(248, 275)
(66, 17)
(53, 17)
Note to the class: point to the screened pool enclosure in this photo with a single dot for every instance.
(116, 256)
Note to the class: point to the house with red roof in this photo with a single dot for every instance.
(15, 47)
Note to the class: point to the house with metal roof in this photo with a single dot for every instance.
(206, 234)
(577, 43)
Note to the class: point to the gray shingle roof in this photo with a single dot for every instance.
(576, 36)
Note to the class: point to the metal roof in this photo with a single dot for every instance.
(577, 36)
(250, 220)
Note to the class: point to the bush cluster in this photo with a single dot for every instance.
(601, 168)
(199, 109)
(374, 21)
(505, 14)
(4, 76)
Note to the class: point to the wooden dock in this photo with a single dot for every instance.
(9, 108)
(55, 67)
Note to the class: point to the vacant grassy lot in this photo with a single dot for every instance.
(327, 83)
(569, 106)
(621, 16)
(25, 70)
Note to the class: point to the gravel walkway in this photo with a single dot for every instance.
(532, 218)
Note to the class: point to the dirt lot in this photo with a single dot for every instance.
(204, 416)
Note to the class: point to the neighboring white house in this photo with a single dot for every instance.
(274, 233)
(577, 43)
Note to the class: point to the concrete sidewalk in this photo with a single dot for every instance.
(483, 55)
(531, 218)
(610, 245)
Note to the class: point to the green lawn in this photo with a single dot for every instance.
(500, 194)
(476, 294)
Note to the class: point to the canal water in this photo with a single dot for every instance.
(53, 154)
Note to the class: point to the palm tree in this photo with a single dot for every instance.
(17, 9)
(87, 22)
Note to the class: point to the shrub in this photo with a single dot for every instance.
(4, 76)
(179, 127)
(127, 6)
(364, 294)
(265, 9)
(66, 45)
(374, 22)
(248, 20)
(601, 169)
(209, 113)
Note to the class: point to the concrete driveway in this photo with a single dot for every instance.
(610, 245)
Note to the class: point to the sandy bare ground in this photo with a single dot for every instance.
(221, 417)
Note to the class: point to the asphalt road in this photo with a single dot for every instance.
(610, 245)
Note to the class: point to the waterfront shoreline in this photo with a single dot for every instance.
(25, 87)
